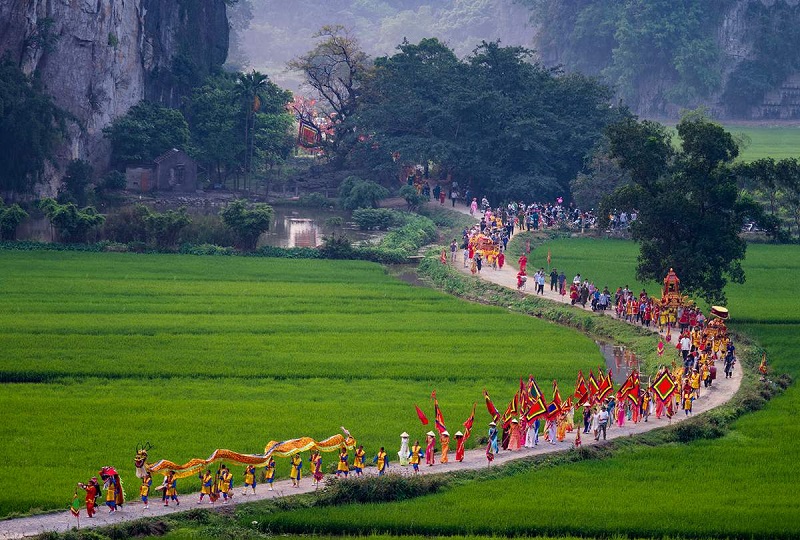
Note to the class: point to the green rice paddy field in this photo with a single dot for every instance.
(779, 141)
(743, 485)
(99, 352)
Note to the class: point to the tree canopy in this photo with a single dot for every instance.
(145, 132)
(495, 120)
(690, 212)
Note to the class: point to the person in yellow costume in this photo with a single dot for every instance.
(382, 461)
(269, 473)
(413, 459)
(295, 474)
(225, 483)
(249, 479)
(206, 484)
(694, 379)
(342, 468)
(445, 442)
(144, 490)
(358, 460)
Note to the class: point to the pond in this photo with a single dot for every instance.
(292, 226)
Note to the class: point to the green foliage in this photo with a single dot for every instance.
(10, 217)
(777, 183)
(247, 221)
(377, 218)
(145, 132)
(127, 224)
(495, 121)
(314, 200)
(164, 228)
(690, 213)
(72, 223)
(412, 196)
(357, 193)
(114, 180)
(76, 180)
(30, 127)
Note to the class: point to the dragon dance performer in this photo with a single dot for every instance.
(170, 487)
(342, 468)
(249, 479)
(206, 486)
(295, 474)
(92, 489)
(144, 490)
(358, 460)
(269, 473)
(316, 468)
(225, 484)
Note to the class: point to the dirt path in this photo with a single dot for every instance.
(721, 391)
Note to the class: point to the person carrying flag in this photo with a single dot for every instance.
(430, 448)
(92, 489)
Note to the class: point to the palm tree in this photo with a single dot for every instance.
(249, 88)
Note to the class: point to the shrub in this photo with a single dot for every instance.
(314, 200)
(390, 487)
(357, 193)
(10, 218)
(72, 223)
(207, 229)
(377, 218)
(247, 222)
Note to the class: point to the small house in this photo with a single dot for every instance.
(172, 171)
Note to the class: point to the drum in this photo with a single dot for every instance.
(713, 373)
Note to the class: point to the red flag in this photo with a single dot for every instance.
(469, 422)
(422, 417)
(493, 412)
(308, 135)
(593, 386)
(626, 387)
(664, 385)
(636, 391)
(511, 411)
(605, 387)
(581, 390)
(538, 406)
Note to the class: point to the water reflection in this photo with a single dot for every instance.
(619, 360)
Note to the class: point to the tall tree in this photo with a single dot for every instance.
(256, 93)
(335, 68)
(690, 212)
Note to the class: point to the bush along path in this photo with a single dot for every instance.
(496, 287)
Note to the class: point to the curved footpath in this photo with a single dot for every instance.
(720, 392)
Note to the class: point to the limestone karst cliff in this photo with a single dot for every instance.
(97, 58)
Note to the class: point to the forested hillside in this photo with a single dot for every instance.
(281, 30)
(739, 58)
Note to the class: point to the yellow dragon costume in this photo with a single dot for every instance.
(273, 449)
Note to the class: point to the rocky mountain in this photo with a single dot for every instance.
(738, 58)
(98, 58)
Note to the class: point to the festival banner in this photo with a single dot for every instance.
(664, 385)
(581, 390)
(437, 412)
(605, 386)
(554, 407)
(538, 406)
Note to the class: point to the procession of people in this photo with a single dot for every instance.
(531, 418)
